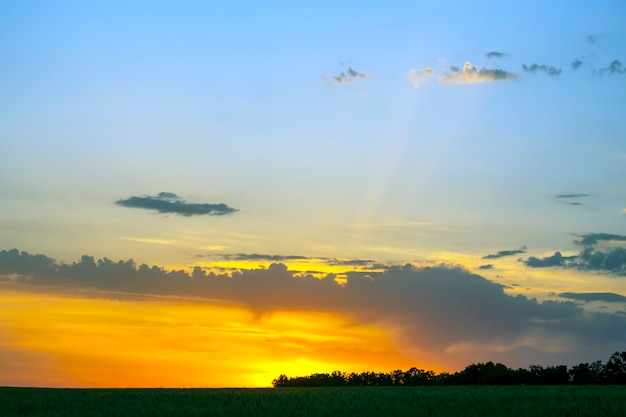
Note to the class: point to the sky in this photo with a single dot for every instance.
(216, 193)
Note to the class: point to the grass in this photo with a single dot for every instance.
(466, 401)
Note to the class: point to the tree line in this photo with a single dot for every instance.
(612, 372)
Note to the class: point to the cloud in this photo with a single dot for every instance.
(170, 203)
(612, 260)
(591, 239)
(503, 253)
(417, 77)
(580, 195)
(431, 309)
(261, 257)
(576, 64)
(348, 76)
(487, 266)
(607, 297)
(592, 38)
(470, 74)
(533, 68)
(494, 54)
(614, 67)
(590, 258)
(550, 261)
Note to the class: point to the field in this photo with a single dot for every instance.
(466, 401)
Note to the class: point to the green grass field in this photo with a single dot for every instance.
(465, 401)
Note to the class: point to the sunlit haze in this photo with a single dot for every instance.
(211, 194)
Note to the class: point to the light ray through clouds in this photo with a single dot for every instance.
(453, 194)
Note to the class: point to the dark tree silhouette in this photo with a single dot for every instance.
(613, 372)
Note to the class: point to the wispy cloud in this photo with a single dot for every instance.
(166, 203)
(349, 75)
(495, 54)
(150, 240)
(534, 68)
(417, 77)
(503, 253)
(487, 266)
(471, 74)
(592, 38)
(614, 67)
(573, 195)
(565, 198)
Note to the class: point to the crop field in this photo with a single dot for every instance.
(466, 401)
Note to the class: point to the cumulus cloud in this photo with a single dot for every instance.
(533, 68)
(495, 54)
(471, 74)
(417, 77)
(166, 202)
(431, 308)
(503, 253)
(614, 67)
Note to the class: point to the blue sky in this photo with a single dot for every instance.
(392, 132)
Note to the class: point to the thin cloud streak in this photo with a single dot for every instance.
(170, 203)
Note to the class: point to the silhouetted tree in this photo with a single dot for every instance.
(615, 368)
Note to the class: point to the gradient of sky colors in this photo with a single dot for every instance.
(310, 186)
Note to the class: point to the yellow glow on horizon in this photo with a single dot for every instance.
(84, 342)
(317, 267)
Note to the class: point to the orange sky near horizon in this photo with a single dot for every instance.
(59, 341)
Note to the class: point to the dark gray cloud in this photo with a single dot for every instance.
(591, 239)
(495, 54)
(487, 266)
(576, 64)
(572, 195)
(591, 258)
(534, 68)
(432, 308)
(607, 297)
(612, 260)
(614, 67)
(503, 253)
(549, 261)
(171, 203)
